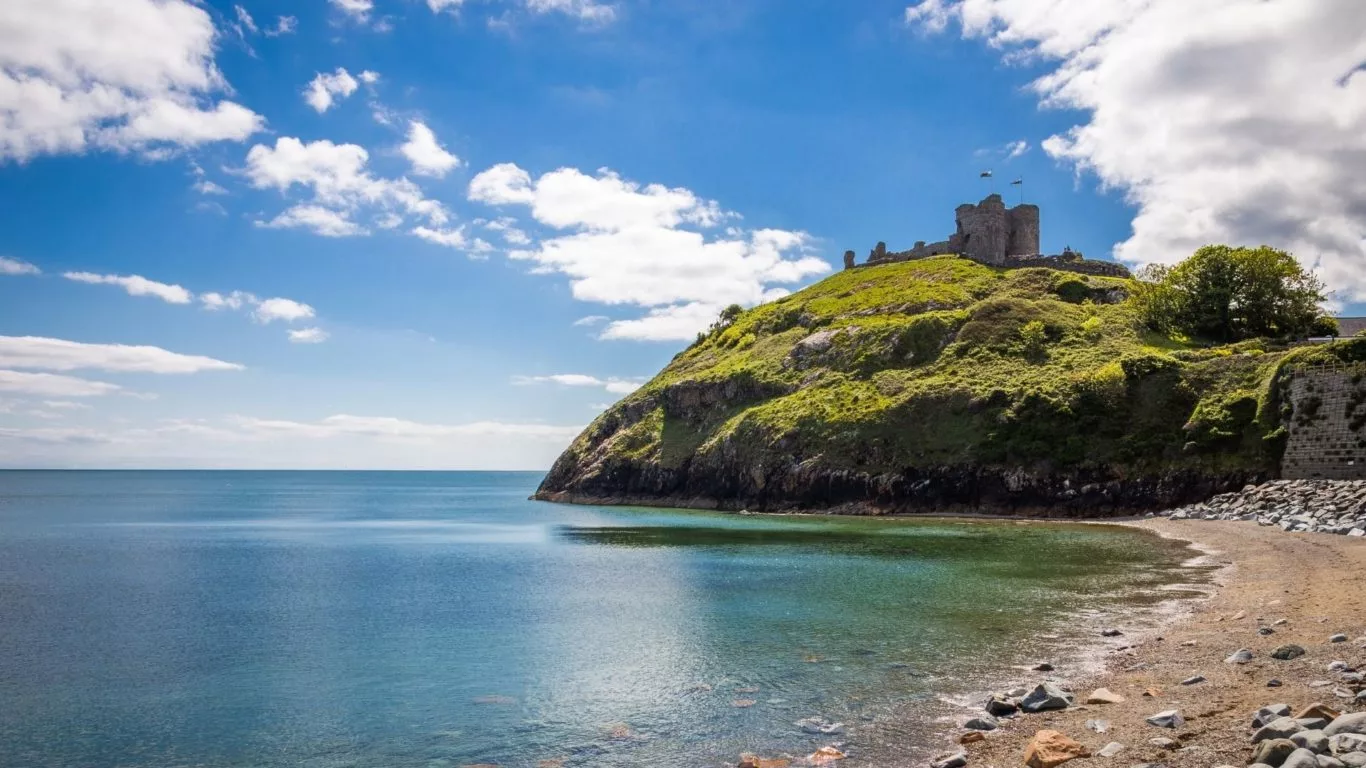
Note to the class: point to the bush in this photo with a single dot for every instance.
(1034, 336)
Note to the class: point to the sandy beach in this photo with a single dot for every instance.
(1304, 587)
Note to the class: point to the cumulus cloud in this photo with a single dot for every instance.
(425, 153)
(52, 385)
(614, 385)
(340, 184)
(214, 301)
(324, 90)
(359, 10)
(135, 285)
(588, 11)
(1233, 121)
(288, 310)
(10, 266)
(138, 75)
(308, 336)
(451, 238)
(47, 354)
(651, 246)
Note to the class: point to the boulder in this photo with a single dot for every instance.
(1301, 758)
(1170, 718)
(1287, 652)
(1353, 759)
(1280, 728)
(1273, 752)
(1314, 741)
(1104, 696)
(1268, 713)
(999, 705)
(1328, 761)
(1353, 723)
(1050, 748)
(984, 723)
(1046, 696)
(1318, 710)
(1344, 743)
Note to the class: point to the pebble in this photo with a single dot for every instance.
(1170, 718)
(1104, 696)
(1338, 638)
(1111, 749)
(1042, 666)
(1193, 680)
(955, 760)
(1287, 652)
(1240, 656)
(1110, 633)
(1098, 726)
(1162, 742)
(984, 723)
(1266, 631)
(1274, 683)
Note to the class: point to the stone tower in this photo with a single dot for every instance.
(988, 232)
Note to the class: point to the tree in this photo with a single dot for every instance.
(1225, 294)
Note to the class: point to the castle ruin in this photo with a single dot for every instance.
(992, 234)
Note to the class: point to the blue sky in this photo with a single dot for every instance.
(491, 218)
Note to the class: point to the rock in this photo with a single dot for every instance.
(1337, 666)
(1170, 718)
(1338, 638)
(1313, 723)
(1193, 680)
(1240, 656)
(1345, 743)
(743, 703)
(1046, 696)
(1274, 683)
(1268, 713)
(1314, 741)
(1326, 761)
(1354, 723)
(1280, 728)
(1099, 726)
(1353, 759)
(819, 725)
(1287, 652)
(1104, 696)
(1163, 742)
(954, 760)
(1050, 748)
(1273, 752)
(827, 755)
(1264, 631)
(1110, 633)
(999, 705)
(1301, 758)
(1042, 666)
(754, 761)
(971, 737)
(1318, 710)
(1111, 749)
(987, 723)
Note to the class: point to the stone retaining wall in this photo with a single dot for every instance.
(1327, 430)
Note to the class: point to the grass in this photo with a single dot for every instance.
(946, 362)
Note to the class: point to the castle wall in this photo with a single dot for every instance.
(1328, 426)
(984, 229)
(1024, 230)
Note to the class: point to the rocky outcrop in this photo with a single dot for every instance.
(1301, 506)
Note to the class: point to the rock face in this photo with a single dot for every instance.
(1049, 749)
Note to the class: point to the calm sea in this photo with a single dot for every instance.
(330, 619)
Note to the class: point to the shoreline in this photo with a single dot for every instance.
(1314, 583)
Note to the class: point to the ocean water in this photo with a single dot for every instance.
(330, 619)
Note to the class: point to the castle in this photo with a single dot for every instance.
(997, 236)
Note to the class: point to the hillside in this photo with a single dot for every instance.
(939, 383)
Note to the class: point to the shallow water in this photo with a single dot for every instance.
(441, 619)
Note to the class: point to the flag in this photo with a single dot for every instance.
(986, 175)
(1017, 181)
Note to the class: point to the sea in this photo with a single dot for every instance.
(442, 619)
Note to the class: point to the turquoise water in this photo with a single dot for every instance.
(441, 619)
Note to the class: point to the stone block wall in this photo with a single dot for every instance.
(1024, 230)
(1327, 430)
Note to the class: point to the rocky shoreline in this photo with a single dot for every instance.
(1298, 506)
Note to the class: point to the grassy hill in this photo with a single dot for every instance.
(931, 384)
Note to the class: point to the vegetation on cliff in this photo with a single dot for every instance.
(937, 382)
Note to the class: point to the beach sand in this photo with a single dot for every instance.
(1316, 583)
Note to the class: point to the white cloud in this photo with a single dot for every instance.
(614, 385)
(1222, 121)
(36, 352)
(425, 153)
(588, 11)
(206, 187)
(369, 77)
(322, 91)
(319, 220)
(591, 320)
(10, 266)
(359, 10)
(138, 75)
(451, 238)
(244, 18)
(1016, 148)
(53, 436)
(52, 385)
(340, 184)
(288, 310)
(66, 405)
(438, 6)
(388, 427)
(284, 25)
(135, 285)
(624, 243)
(507, 226)
(308, 336)
(214, 301)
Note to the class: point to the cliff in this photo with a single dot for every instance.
(939, 384)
